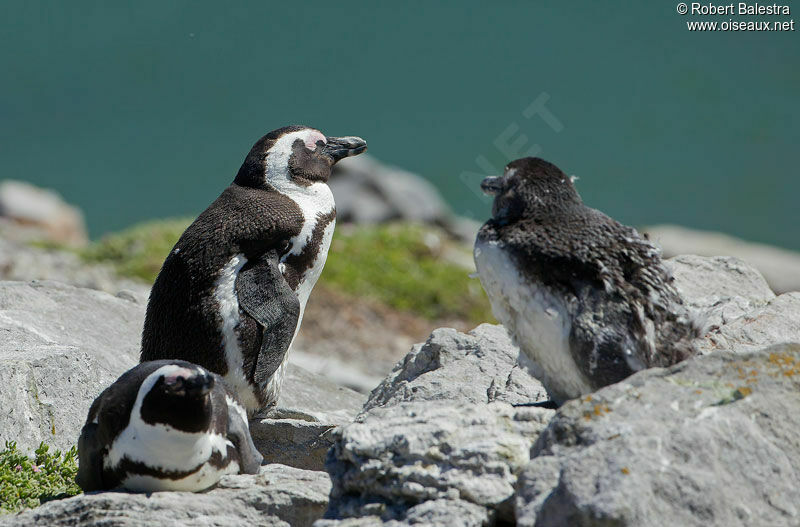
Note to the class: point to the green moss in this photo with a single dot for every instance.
(27, 483)
(139, 251)
(407, 267)
(411, 268)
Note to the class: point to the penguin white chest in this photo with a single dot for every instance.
(537, 320)
(318, 209)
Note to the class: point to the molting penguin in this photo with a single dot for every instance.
(231, 294)
(164, 425)
(586, 298)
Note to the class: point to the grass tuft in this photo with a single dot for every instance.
(409, 267)
(27, 483)
(138, 251)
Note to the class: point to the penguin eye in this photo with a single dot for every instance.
(312, 141)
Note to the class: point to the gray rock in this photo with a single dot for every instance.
(335, 370)
(403, 455)
(367, 191)
(718, 289)
(477, 367)
(438, 513)
(780, 267)
(44, 210)
(20, 261)
(298, 432)
(438, 443)
(59, 347)
(710, 441)
(776, 322)
(277, 495)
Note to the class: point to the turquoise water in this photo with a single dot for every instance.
(144, 110)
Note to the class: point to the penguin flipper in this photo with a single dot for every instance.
(265, 295)
(239, 434)
(90, 459)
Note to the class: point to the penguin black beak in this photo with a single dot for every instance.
(492, 185)
(195, 386)
(199, 385)
(340, 147)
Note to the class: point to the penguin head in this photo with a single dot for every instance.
(530, 188)
(179, 395)
(295, 156)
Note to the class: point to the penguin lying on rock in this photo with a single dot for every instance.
(586, 298)
(231, 294)
(164, 425)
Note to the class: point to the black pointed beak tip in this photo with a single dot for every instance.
(491, 186)
(340, 147)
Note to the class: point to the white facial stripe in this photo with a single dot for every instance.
(161, 446)
(182, 372)
(313, 199)
(278, 156)
(228, 302)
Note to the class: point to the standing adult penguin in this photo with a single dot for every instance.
(231, 294)
(585, 297)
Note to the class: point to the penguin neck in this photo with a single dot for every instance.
(308, 249)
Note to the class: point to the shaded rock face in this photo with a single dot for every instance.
(278, 495)
(401, 456)
(60, 346)
(718, 289)
(711, 441)
(298, 432)
(481, 366)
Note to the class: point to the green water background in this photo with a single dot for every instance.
(145, 109)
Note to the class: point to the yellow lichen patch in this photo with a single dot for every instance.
(747, 372)
(587, 399)
(742, 392)
(600, 409)
(625, 470)
(781, 359)
(784, 364)
(698, 392)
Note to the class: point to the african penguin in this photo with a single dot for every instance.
(231, 294)
(164, 425)
(585, 297)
